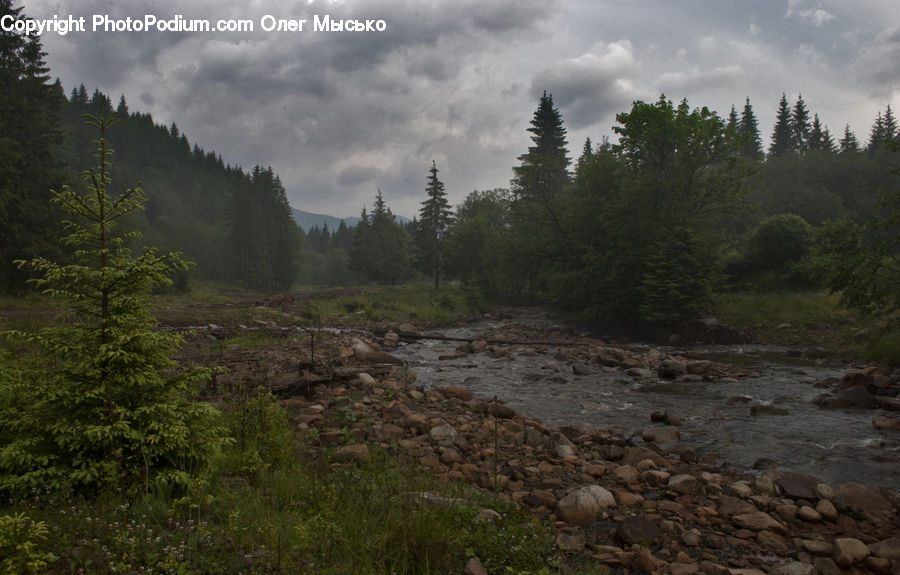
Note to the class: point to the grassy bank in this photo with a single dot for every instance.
(805, 319)
(278, 503)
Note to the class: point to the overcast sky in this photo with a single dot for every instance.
(339, 115)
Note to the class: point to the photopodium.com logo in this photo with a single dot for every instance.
(178, 23)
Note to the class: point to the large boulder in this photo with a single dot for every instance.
(848, 550)
(585, 505)
(759, 521)
(661, 434)
(671, 369)
(855, 497)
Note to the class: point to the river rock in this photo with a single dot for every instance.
(859, 498)
(847, 398)
(458, 393)
(671, 369)
(741, 489)
(662, 434)
(407, 329)
(762, 409)
(391, 340)
(827, 510)
(794, 568)
(443, 434)
(849, 550)
(798, 485)
(826, 566)
(729, 506)
(683, 484)
(638, 530)
(585, 505)
(887, 549)
(817, 548)
(759, 521)
(353, 453)
(808, 514)
(692, 537)
(884, 422)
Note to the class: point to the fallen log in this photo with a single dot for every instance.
(490, 340)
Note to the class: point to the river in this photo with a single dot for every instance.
(835, 445)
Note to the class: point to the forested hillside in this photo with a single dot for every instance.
(638, 230)
(234, 225)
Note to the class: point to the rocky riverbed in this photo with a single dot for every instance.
(642, 500)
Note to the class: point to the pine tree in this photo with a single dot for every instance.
(748, 128)
(381, 245)
(884, 130)
(435, 219)
(102, 414)
(819, 138)
(733, 121)
(544, 170)
(848, 143)
(783, 132)
(29, 131)
(800, 126)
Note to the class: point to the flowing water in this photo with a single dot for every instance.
(835, 445)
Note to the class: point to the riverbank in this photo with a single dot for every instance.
(639, 502)
(613, 498)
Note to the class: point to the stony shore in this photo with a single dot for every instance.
(639, 503)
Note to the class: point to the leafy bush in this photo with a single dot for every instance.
(20, 545)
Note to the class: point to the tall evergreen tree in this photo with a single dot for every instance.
(543, 172)
(263, 237)
(783, 131)
(435, 217)
(848, 143)
(884, 130)
(381, 246)
(819, 137)
(29, 129)
(800, 126)
(104, 414)
(748, 128)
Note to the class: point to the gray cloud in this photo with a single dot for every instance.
(339, 115)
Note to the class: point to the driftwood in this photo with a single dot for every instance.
(490, 340)
(303, 384)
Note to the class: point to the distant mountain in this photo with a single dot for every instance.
(308, 220)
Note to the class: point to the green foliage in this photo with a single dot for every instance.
(263, 238)
(477, 244)
(381, 250)
(643, 213)
(29, 131)
(434, 219)
(777, 255)
(21, 540)
(263, 441)
(99, 412)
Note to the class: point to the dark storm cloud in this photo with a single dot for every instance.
(593, 86)
(339, 115)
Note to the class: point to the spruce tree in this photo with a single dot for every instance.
(748, 128)
(848, 143)
(783, 132)
(544, 170)
(435, 219)
(102, 414)
(800, 126)
(29, 131)
(819, 137)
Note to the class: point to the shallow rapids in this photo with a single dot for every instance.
(836, 446)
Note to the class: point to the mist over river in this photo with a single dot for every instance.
(537, 381)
